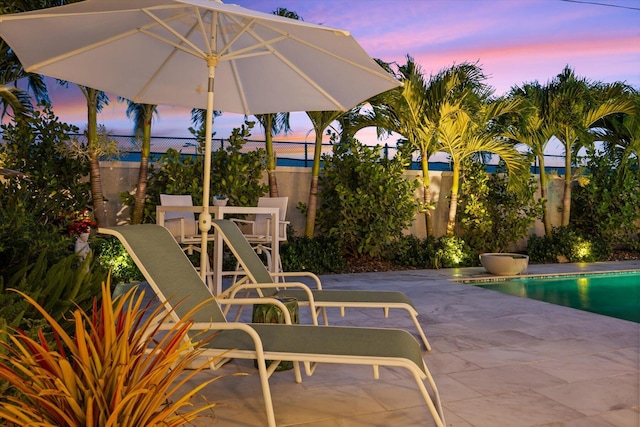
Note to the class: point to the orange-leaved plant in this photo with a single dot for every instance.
(117, 370)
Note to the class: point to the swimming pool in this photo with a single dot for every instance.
(611, 294)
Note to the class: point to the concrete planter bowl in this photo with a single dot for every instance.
(504, 264)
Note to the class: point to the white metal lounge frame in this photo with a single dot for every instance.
(170, 274)
(259, 278)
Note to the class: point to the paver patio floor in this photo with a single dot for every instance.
(498, 360)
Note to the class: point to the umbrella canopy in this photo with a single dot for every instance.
(182, 52)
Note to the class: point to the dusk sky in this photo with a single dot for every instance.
(514, 41)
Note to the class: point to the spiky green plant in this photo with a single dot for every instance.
(117, 369)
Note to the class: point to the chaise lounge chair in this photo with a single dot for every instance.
(258, 277)
(171, 275)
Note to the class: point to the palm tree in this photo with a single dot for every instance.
(415, 112)
(272, 124)
(96, 100)
(576, 106)
(15, 99)
(534, 131)
(463, 135)
(620, 134)
(142, 118)
(320, 121)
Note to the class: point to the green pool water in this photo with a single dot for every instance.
(611, 294)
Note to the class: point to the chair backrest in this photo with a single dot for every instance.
(167, 270)
(244, 253)
(262, 220)
(171, 219)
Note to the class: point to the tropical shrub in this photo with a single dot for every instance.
(567, 245)
(607, 205)
(235, 173)
(35, 209)
(318, 255)
(365, 202)
(453, 252)
(59, 287)
(112, 256)
(493, 217)
(101, 375)
(410, 251)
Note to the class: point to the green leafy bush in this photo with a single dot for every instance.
(318, 255)
(58, 286)
(494, 218)
(607, 205)
(410, 251)
(112, 256)
(454, 252)
(235, 173)
(566, 244)
(34, 209)
(365, 202)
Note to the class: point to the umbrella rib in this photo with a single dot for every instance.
(329, 53)
(196, 51)
(234, 70)
(268, 45)
(300, 72)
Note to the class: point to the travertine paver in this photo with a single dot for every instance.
(498, 361)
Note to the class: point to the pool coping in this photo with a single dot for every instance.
(493, 278)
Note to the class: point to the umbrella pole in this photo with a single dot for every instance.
(205, 216)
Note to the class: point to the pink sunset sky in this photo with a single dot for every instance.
(514, 41)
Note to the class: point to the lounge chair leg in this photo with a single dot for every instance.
(376, 372)
(436, 413)
(266, 392)
(296, 371)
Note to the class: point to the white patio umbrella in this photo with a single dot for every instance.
(167, 52)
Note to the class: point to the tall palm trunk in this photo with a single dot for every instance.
(271, 157)
(141, 188)
(568, 178)
(546, 219)
(99, 210)
(426, 184)
(566, 196)
(313, 190)
(453, 201)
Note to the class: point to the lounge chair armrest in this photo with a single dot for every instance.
(237, 288)
(315, 278)
(251, 301)
(282, 285)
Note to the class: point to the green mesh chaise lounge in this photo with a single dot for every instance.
(172, 276)
(259, 278)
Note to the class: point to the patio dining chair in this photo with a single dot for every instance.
(170, 274)
(259, 230)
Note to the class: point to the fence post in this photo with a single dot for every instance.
(306, 155)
